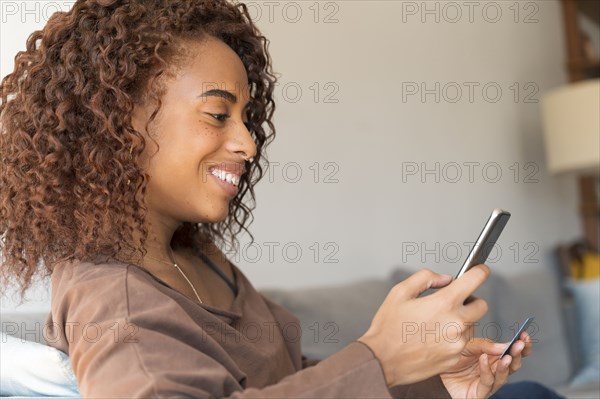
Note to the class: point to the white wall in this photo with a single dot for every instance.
(373, 217)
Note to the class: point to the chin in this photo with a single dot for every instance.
(215, 216)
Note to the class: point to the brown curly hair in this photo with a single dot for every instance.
(67, 145)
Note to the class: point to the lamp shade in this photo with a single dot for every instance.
(571, 120)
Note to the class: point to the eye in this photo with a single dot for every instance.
(220, 117)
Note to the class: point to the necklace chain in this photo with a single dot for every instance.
(176, 266)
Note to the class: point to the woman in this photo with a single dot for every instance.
(133, 134)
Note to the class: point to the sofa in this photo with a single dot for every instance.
(333, 316)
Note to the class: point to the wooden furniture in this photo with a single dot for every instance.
(581, 66)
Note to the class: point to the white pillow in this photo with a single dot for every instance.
(32, 369)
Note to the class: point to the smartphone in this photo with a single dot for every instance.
(516, 337)
(486, 241)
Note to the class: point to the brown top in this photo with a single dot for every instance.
(128, 334)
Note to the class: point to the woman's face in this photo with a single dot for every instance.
(201, 134)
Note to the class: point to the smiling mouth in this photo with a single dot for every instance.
(227, 177)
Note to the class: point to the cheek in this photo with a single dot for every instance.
(187, 151)
(204, 140)
(203, 131)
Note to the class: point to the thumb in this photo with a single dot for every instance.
(489, 347)
(422, 281)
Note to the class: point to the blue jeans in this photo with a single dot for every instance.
(525, 390)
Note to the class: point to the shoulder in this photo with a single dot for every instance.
(94, 287)
(79, 275)
(105, 275)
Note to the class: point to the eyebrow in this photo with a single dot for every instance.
(219, 93)
(222, 94)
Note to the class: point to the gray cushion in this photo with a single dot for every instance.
(535, 292)
(511, 298)
(334, 316)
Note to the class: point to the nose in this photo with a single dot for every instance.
(241, 142)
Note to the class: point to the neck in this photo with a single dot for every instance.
(158, 242)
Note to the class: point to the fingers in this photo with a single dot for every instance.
(475, 309)
(528, 344)
(492, 378)
(502, 371)
(486, 377)
(515, 353)
(463, 287)
(422, 281)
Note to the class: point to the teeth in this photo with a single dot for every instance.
(226, 177)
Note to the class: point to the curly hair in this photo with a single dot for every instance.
(67, 145)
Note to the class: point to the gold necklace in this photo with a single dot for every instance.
(176, 266)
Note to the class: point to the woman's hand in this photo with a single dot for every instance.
(410, 335)
(521, 348)
(479, 373)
